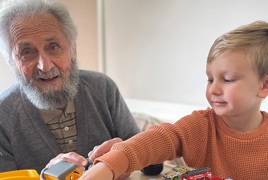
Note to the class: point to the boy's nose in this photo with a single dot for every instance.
(215, 88)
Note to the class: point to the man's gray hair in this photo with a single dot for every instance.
(10, 9)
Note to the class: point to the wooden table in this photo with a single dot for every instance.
(138, 175)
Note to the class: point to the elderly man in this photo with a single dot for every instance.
(55, 111)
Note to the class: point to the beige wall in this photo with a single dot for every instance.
(84, 14)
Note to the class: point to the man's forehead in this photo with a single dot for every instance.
(28, 26)
(25, 43)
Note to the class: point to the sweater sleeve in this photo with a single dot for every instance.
(204, 140)
(153, 146)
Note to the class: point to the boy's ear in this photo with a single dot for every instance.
(263, 92)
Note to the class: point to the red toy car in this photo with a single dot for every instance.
(200, 174)
(186, 173)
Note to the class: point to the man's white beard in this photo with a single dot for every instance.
(51, 98)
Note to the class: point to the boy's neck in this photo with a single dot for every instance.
(244, 124)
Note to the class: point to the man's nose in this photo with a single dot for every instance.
(44, 63)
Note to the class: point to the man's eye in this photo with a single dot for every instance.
(27, 54)
(54, 46)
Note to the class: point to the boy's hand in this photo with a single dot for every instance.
(98, 171)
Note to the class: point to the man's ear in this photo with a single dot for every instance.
(263, 92)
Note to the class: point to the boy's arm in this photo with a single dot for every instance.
(98, 171)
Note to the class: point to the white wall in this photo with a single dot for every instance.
(7, 76)
(157, 49)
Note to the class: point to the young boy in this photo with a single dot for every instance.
(231, 137)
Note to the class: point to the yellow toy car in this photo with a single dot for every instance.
(20, 175)
(61, 171)
(176, 172)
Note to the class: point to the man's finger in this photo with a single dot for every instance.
(103, 148)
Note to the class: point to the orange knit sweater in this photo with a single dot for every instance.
(204, 140)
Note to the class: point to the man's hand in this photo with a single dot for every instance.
(71, 157)
(103, 148)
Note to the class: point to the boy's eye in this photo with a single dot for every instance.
(228, 80)
(210, 80)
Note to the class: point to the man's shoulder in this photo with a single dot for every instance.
(10, 96)
(10, 93)
(87, 74)
(10, 100)
(95, 79)
(96, 84)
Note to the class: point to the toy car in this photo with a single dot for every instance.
(200, 174)
(29, 174)
(197, 174)
(62, 170)
(187, 173)
(176, 172)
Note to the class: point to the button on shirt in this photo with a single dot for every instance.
(62, 124)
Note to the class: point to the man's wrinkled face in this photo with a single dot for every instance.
(42, 56)
(40, 51)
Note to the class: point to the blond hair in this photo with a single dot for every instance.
(251, 39)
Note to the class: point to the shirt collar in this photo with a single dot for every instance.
(48, 115)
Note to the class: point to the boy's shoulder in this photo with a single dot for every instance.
(202, 114)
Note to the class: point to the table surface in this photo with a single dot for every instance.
(138, 175)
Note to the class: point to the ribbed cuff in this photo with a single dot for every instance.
(116, 160)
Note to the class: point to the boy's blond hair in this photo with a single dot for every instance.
(251, 39)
